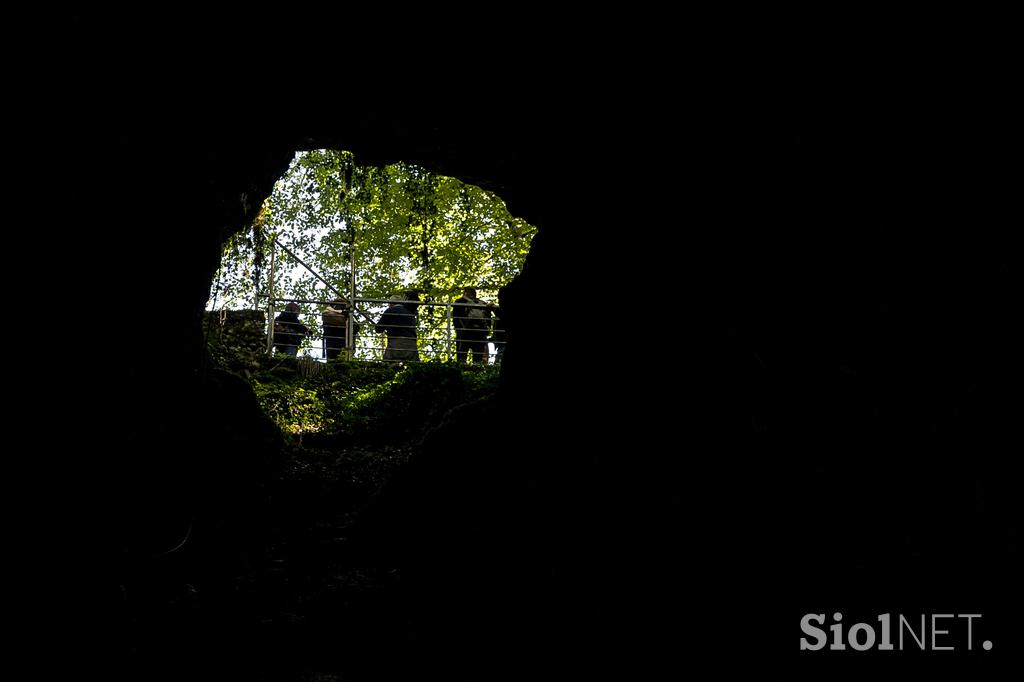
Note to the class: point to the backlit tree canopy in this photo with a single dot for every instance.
(411, 230)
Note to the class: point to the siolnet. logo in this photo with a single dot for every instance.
(924, 632)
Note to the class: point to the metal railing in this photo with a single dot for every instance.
(423, 331)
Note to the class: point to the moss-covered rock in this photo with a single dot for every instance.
(237, 339)
(366, 402)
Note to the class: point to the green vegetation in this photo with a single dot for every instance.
(367, 403)
(407, 230)
(410, 229)
(349, 425)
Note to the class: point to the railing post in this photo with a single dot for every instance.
(270, 300)
(350, 331)
(448, 314)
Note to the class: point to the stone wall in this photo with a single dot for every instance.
(237, 339)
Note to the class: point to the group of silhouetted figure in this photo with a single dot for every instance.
(289, 331)
(476, 324)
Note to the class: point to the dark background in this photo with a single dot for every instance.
(817, 236)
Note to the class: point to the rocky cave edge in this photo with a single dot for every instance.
(814, 390)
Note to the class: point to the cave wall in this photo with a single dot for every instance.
(828, 319)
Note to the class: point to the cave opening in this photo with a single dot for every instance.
(333, 230)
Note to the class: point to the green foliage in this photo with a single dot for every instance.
(369, 403)
(411, 230)
(294, 408)
(236, 339)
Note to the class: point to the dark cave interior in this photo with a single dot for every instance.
(819, 422)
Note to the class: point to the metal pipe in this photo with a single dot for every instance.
(315, 273)
(270, 300)
(449, 332)
(350, 332)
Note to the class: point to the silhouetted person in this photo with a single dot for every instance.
(335, 322)
(288, 331)
(471, 318)
(399, 323)
(498, 335)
